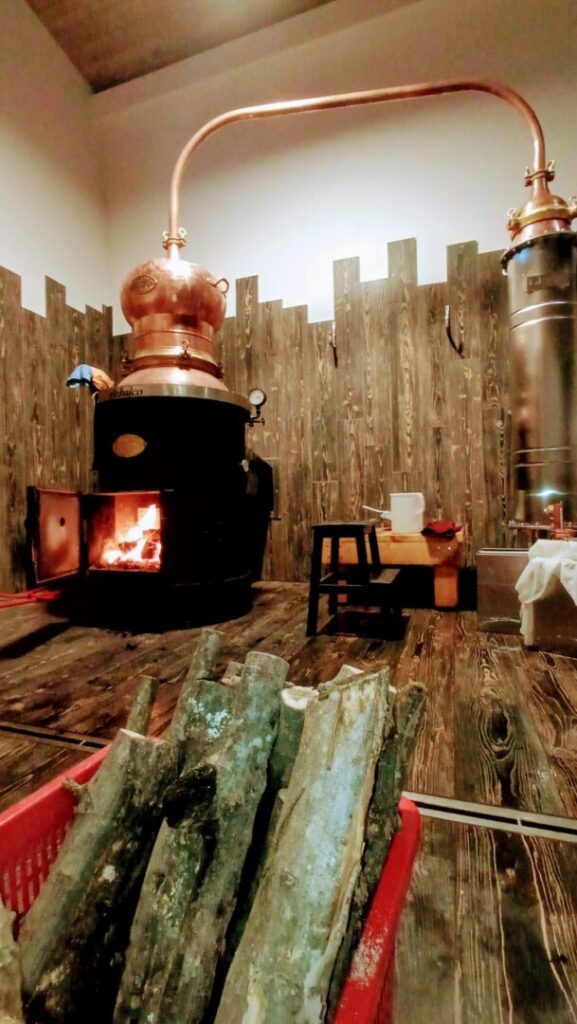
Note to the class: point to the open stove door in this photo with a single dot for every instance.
(54, 527)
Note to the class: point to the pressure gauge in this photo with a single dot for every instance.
(257, 397)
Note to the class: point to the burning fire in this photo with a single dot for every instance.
(139, 547)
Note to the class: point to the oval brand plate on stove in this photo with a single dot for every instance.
(126, 446)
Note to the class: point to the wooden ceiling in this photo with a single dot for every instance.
(113, 41)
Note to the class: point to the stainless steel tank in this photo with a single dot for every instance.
(542, 274)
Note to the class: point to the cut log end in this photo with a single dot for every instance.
(10, 977)
(139, 716)
(297, 698)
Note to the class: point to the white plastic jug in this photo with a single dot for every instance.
(407, 512)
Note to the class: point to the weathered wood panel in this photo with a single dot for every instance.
(391, 407)
(545, 686)
(295, 408)
(403, 310)
(379, 401)
(56, 398)
(495, 367)
(378, 368)
(266, 436)
(433, 406)
(495, 729)
(45, 429)
(12, 427)
(489, 929)
(247, 329)
(429, 657)
(351, 421)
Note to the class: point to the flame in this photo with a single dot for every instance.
(139, 546)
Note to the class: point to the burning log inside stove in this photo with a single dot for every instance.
(125, 533)
(139, 547)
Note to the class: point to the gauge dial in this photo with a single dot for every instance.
(257, 397)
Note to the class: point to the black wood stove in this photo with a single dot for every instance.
(175, 532)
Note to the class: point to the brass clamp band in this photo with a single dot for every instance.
(179, 239)
(182, 353)
(554, 211)
(548, 173)
(185, 360)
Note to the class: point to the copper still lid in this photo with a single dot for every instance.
(543, 213)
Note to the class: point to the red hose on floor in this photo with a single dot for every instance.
(34, 596)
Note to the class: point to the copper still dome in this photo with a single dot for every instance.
(174, 308)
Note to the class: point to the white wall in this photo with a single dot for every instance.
(52, 218)
(284, 198)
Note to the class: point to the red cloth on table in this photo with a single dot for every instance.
(441, 528)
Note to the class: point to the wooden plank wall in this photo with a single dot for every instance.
(45, 429)
(398, 409)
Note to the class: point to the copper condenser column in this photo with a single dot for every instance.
(542, 276)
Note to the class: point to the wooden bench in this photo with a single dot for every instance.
(362, 581)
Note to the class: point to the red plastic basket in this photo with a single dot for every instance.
(32, 831)
(367, 996)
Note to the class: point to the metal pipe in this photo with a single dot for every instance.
(175, 237)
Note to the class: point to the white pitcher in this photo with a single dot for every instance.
(407, 512)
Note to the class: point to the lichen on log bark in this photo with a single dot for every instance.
(180, 857)
(189, 937)
(202, 667)
(294, 701)
(74, 936)
(10, 977)
(139, 716)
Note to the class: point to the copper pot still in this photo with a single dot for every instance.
(176, 307)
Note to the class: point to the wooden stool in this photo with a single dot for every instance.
(364, 583)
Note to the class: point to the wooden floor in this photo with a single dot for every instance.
(489, 933)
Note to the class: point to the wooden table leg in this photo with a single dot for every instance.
(335, 550)
(316, 570)
(446, 586)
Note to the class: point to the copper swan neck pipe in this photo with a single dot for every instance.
(174, 238)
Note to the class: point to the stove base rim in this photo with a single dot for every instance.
(150, 603)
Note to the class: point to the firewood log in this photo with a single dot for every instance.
(183, 844)
(74, 936)
(282, 968)
(10, 978)
(232, 674)
(202, 666)
(410, 713)
(345, 673)
(294, 701)
(400, 730)
(190, 893)
(139, 716)
(180, 856)
(72, 966)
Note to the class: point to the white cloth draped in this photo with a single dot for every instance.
(550, 562)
